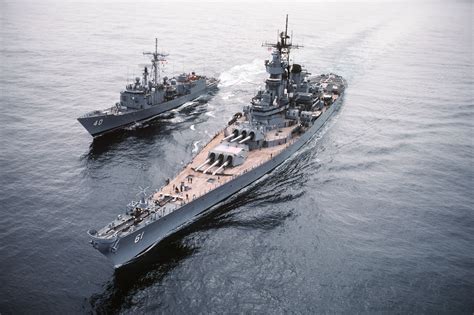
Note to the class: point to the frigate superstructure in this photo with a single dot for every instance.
(147, 97)
(279, 120)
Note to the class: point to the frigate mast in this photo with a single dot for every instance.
(157, 57)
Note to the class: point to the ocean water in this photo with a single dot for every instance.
(374, 215)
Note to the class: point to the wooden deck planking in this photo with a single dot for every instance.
(200, 182)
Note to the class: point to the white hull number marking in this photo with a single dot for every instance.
(139, 237)
(98, 122)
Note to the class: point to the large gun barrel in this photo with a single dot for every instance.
(237, 138)
(220, 168)
(228, 137)
(207, 161)
(213, 164)
(245, 140)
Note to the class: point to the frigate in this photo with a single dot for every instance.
(279, 120)
(147, 97)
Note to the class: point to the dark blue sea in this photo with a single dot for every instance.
(374, 215)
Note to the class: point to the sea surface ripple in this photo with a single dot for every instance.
(375, 214)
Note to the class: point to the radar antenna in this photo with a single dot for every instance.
(284, 44)
(155, 62)
(142, 190)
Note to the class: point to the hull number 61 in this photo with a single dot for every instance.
(139, 237)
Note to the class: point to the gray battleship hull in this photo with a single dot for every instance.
(100, 124)
(123, 250)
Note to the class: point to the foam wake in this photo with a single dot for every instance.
(246, 73)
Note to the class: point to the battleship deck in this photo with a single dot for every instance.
(198, 183)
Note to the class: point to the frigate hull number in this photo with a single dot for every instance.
(98, 122)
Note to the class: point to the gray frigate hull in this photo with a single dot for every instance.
(101, 124)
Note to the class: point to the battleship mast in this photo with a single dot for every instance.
(283, 46)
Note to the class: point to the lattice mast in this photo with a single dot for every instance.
(155, 61)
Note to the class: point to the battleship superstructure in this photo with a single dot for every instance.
(147, 97)
(278, 121)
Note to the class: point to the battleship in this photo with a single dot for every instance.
(147, 97)
(277, 122)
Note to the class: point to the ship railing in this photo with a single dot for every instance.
(92, 114)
